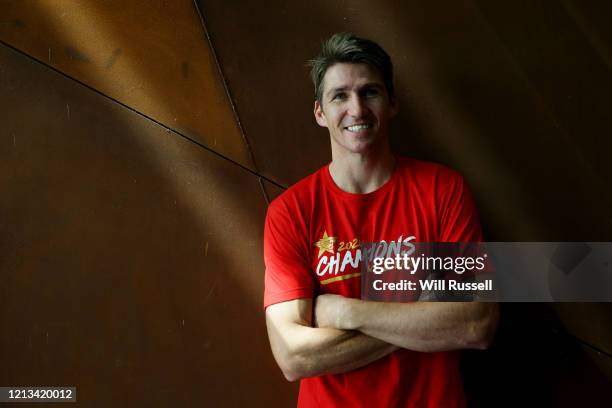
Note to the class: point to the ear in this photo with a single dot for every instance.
(319, 114)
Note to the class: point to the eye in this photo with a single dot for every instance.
(339, 96)
(370, 92)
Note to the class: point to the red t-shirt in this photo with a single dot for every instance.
(311, 246)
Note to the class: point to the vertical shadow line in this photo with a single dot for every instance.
(227, 91)
(263, 190)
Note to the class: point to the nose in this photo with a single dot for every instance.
(357, 107)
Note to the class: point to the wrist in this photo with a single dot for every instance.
(350, 318)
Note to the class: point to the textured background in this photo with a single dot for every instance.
(141, 141)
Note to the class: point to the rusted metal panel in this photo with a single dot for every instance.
(589, 322)
(152, 56)
(562, 50)
(131, 262)
(602, 361)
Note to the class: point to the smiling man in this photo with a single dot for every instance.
(348, 352)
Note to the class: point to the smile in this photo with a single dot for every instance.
(357, 128)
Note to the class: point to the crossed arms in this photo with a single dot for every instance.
(344, 334)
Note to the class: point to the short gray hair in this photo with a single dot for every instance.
(347, 48)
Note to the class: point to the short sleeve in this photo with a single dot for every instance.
(458, 219)
(288, 274)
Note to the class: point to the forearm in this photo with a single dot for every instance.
(331, 351)
(304, 351)
(425, 326)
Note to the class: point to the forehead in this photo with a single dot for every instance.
(350, 75)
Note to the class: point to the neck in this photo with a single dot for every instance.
(362, 173)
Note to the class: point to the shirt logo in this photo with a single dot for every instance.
(345, 256)
(326, 244)
(348, 255)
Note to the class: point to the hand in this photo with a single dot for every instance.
(332, 311)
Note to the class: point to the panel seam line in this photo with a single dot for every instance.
(143, 115)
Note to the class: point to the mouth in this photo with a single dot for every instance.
(359, 127)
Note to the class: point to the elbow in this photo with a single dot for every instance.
(482, 329)
(292, 367)
(291, 376)
(289, 370)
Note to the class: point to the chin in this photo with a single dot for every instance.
(361, 148)
(357, 145)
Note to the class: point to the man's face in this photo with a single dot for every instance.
(355, 108)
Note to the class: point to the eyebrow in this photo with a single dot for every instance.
(344, 88)
(335, 90)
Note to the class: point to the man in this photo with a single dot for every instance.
(348, 352)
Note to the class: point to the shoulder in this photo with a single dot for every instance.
(426, 172)
(300, 195)
(289, 215)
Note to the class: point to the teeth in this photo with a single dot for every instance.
(357, 128)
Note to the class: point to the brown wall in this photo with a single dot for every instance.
(131, 218)
(141, 146)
